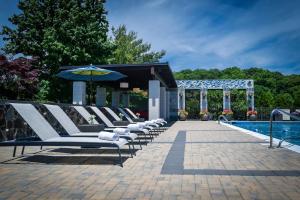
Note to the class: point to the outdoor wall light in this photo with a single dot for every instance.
(124, 85)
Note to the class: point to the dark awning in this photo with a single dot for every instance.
(138, 75)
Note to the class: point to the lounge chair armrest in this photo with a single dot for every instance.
(138, 120)
(120, 123)
(91, 127)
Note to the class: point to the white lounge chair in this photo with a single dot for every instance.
(49, 137)
(71, 128)
(110, 125)
(152, 124)
(87, 116)
(159, 120)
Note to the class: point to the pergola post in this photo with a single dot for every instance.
(203, 100)
(181, 99)
(250, 98)
(115, 98)
(79, 92)
(226, 99)
(163, 103)
(100, 96)
(153, 99)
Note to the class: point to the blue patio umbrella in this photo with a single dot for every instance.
(90, 73)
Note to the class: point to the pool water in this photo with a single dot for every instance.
(280, 129)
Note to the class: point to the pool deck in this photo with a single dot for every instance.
(191, 160)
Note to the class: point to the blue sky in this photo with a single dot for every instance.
(211, 33)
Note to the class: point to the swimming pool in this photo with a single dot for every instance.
(280, 129)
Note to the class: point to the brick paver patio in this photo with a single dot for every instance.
(191, 160)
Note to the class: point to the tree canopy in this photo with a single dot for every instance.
(130, 49)
(18, 78)
(59, 32)
(272, 89)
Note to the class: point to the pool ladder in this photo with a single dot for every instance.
(275, 111)
(222, 117)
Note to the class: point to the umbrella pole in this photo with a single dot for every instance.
(91, 87)
(89, 91)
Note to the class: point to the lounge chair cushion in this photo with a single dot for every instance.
(104, 135)
(122, 131)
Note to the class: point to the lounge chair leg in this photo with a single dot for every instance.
(23, 148)
(146, 138)
(15, 149)
(42, 147)
(140, 144)
(151, 136)
(130, 150)
(133, 148)
(121, 161)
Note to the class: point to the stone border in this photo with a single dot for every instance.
(287, 145)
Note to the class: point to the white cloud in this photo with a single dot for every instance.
(205, 33)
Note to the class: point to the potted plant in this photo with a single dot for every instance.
(92, 119)
(138, 115)
(182, 115)
(204, 115)
(227, 113)
(251, 115)
(121, 116)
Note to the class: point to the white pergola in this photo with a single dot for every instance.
(225, 85)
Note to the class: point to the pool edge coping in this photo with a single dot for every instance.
(287, 145)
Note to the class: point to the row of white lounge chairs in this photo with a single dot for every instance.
(111, 137)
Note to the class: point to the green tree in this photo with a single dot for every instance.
(284, 100)
(268, 86)
(130, 49)
(57, 33)
(296, 95)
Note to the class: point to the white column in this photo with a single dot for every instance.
(163, 103)
(250, 98)
(203, 100)
(226, 99)
(79, 92)
(154, 99)
(181, 99)
(125, 99)
(100, 96)
(115, 98)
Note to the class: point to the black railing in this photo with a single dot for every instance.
(272, 115)
(13, 126)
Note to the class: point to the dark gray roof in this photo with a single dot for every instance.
(138, 75)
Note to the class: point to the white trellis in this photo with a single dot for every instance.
(225, 85)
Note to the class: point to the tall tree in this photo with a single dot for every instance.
(59, 32)
(130, 49)
(271, 88)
